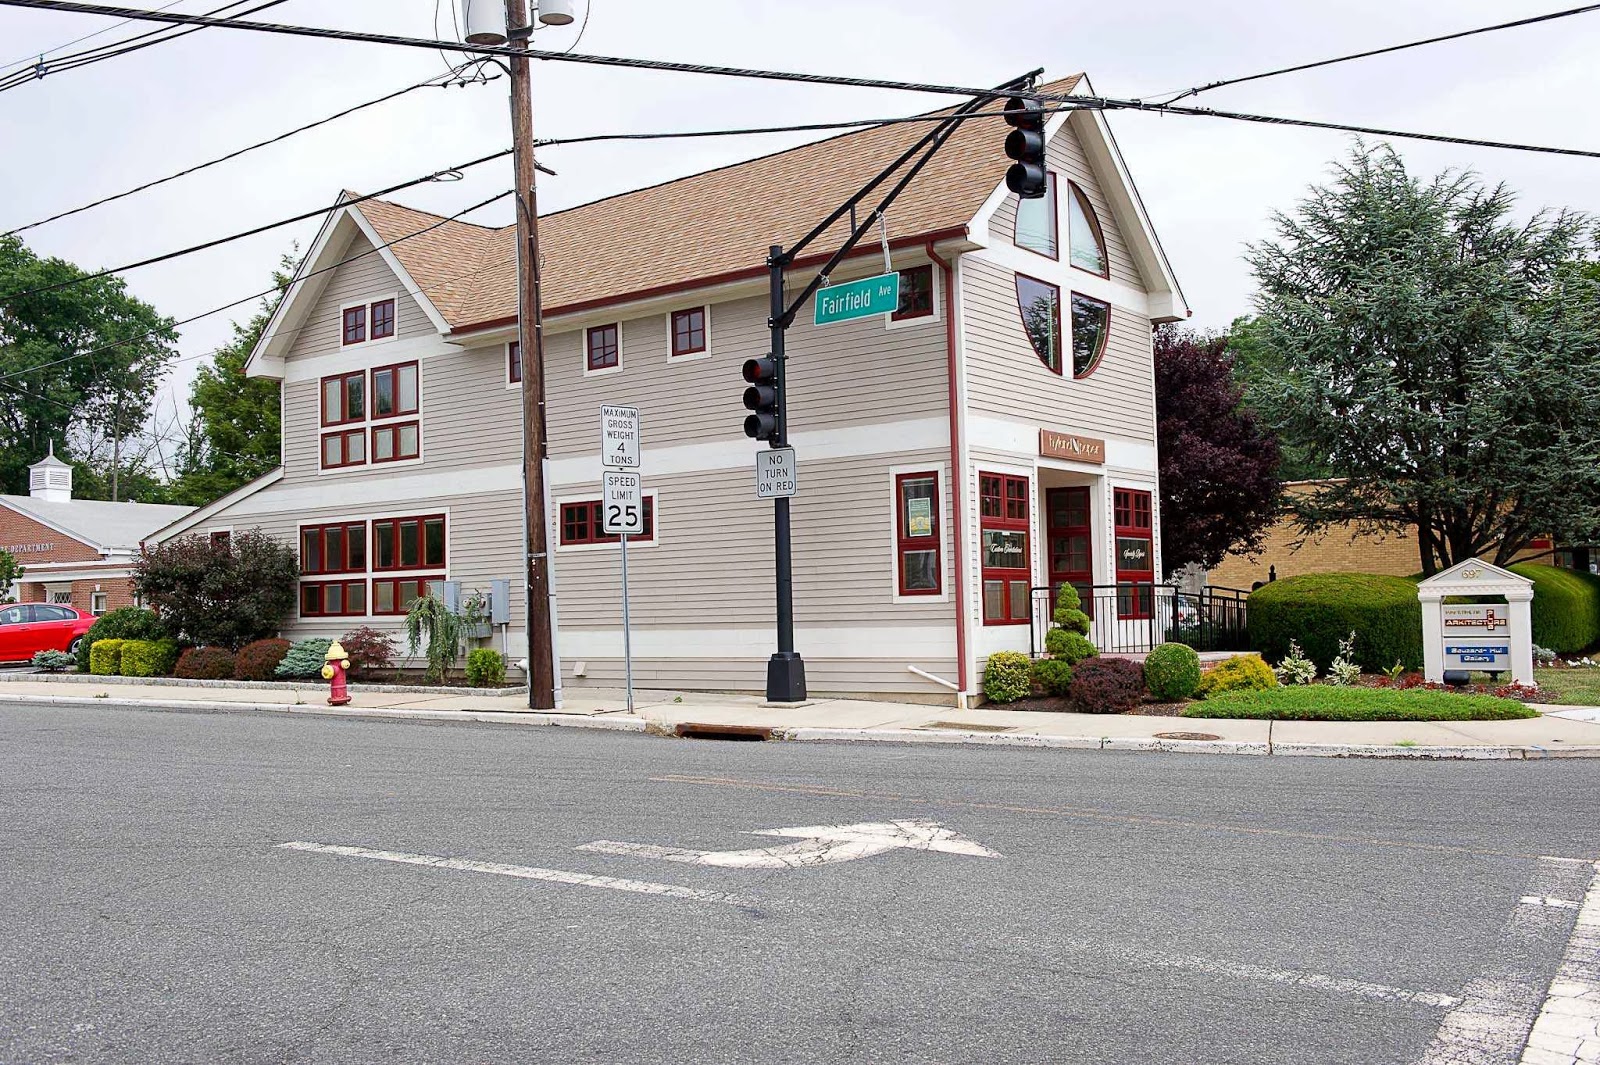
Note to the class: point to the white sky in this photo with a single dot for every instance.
(1210, 184)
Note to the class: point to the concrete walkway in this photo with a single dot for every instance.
(1561, 731)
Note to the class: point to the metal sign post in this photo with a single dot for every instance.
(622, 515)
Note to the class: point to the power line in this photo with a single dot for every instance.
(1388, 49)
(24, 60)
(435, 176)
(255, 296)
(431, 82)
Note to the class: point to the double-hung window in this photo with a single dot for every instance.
(1135, 553)
(916, 536)
(1007, 571)
(688, 332)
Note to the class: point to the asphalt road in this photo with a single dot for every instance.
(1139, 908)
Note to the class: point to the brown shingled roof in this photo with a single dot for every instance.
(708, 225)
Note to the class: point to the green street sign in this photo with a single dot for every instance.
(858, 299)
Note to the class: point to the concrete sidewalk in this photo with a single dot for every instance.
(1560, 732)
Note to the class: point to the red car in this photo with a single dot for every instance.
(26, 628)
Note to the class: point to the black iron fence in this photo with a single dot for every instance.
(1137, 616)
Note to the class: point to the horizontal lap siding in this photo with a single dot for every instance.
(873, 676)
(1006, 377)
(713, 566)
(362, 281)
(838, 375)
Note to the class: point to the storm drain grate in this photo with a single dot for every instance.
(691, 730)
(1186, 736)
(968, 728)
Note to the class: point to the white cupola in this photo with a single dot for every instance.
(50, 479)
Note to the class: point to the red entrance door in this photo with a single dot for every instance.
(1071, 560)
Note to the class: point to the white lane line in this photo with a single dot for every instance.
(524, 872)
(1559, 904)
(1567, 1031)
(1499, 1007)
(820, 845)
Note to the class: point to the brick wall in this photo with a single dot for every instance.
(18, 531)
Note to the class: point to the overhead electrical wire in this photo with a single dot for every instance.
(256, 295)
(37, 56)
(1514, 24)
(431, 82)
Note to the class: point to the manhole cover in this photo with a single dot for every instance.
(968, 728)
(1186, 736)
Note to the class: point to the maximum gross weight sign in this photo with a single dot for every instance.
(619, 436)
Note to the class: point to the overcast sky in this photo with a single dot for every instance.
(1210, 185)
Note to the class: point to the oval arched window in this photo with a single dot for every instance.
(1040, 304)
(1091, 322)
(1088, 243)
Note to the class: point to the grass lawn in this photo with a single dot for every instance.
(1324, 702)
(1573, 687)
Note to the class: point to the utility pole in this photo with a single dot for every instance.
(541, 650)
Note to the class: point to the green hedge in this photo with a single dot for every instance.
(148, 658)
(105, 657)
(124, 623)
(1325, 702)
(1320, 609)
(1566, 607)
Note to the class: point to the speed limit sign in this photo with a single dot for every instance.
(622, 504)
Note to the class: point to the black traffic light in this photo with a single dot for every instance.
(761, 398)
(1025, 177)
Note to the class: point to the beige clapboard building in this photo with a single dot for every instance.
(994, 436)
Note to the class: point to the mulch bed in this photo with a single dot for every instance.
(1054, 704)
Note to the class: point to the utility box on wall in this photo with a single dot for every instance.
(1484, 637)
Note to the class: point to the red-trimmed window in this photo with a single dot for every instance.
(1086, 241)
(688, 331)
(344, 449)
(916, 540)
(355, 325)
(1035, 227)
(1091, 326)
(1007, 572)
(396, 441)
(344, 398)
(394, 390)
(408, 543)
(1136, 560)
(333, 599)
(1040, 305)
(382, 319)
(222, 540)
(394, 595)
(336, 548)
(916, 294)
(514, 363)
(601, 342)
(582, 523)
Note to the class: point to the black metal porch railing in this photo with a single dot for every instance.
(1133, 617)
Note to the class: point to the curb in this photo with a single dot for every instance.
(804, 734)
(292, 686)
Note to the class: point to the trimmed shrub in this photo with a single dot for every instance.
(259, 660)
(1325, 702)
(1051, 675)
(205, 663)
(105, 657)
(1069, 613)
(486, 668)
(148, 658)
(1566, 607)
(1069, 646)
(1007, 677)
(370, 650)
(1106, 685)
(124, 623)
(1172, 672)
(53, 661)
(305, 659)
(1319, 609)
(1241, 673)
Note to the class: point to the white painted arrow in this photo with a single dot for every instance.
(822, 845)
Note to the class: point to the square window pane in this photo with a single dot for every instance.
(994, 600)
(410, 442)
(433, 542)
(410, 592)
(920, 570)
(410, 549)
(356, 597)
(1133, 553)
(382, 445)
(408, 388)
(1005, 549)
(310, 599)
(383, 597)
(333, 598)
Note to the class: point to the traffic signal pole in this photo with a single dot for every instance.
(786, 670)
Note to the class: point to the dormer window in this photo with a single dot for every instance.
(1088, 243)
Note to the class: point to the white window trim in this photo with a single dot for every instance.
(926, 319)
(633, 544)
(210, 532)
(1036, 556)
(105, 603)
(367, 303)
(369, 423)
(946, 532)
(370, 574)
(695, 356)
(583, 350)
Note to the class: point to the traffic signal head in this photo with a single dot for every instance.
(1025, 143)
(761, 398)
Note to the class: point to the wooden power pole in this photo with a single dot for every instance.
(530, 323)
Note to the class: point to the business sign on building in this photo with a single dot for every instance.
(1054, 445)
(1492, 620)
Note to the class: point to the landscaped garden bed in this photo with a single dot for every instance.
(1327, 702)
